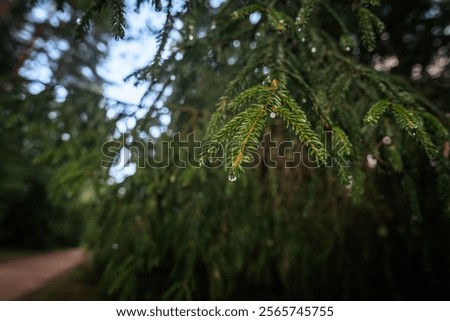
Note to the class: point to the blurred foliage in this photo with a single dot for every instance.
(377, 229)
(41, 64)
(286, 233)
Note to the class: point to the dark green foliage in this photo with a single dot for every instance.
(85, 22)
(118, 18)
(370, 223)
(305, 12)
(370, 25)
(39, 205)
(357, 230)
(360, 229)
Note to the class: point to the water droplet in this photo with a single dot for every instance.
(299, 29)
(304, 100)
(371, 161)
(387, 140)
(273, 115)
(232, 177)
(303, 39)
(267, 81)
(313, 49)
(347, 48)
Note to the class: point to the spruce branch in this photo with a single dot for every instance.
(154, 69)
(369, 25)
(342, 138)
(438, 127)
(245, 11)
(413, 124)
(237, 139)
(408, 120)
(255, 60)
(279, 20)
(260, 94)
(217, 118)
(296, 119)
(85, 23)
(347, 40)
(118, 21)
(253, 126)
(345, 150)
(375, 112)
(340, 86)
(163, 36)
(305, 12)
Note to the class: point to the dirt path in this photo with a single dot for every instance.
(22, 276)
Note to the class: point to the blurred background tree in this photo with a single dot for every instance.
(376, 230)
(43, 69)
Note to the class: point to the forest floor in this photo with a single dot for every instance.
(21, 277)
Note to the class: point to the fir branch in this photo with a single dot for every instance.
(238, 138)
(155, 67)
(216, 118)
(253, 125)
(255, 60)
(340, 86)
(413, 124)
(342, 137)
(231, 104)
(369, 25)
(279, 20)
(292, 72)
(305, 12)
(375, 112)
(346, 39)
(345, 150)
(440, 129)
(261, 94)
(85, 23)
(118, 21)
(344, 176)
(163, 37)
(296, 119)
(245, 11)
(406, 119)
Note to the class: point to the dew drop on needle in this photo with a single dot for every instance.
(232, 177)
